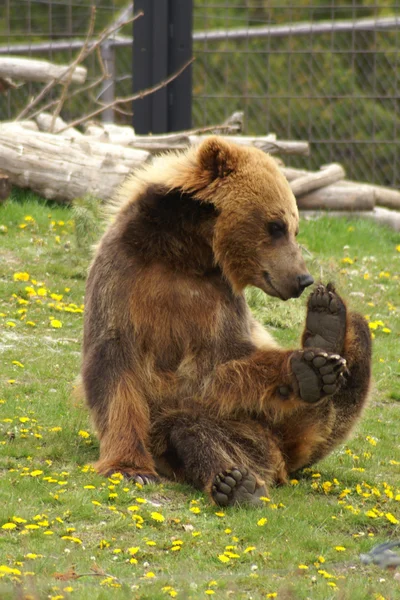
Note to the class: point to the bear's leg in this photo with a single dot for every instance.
(120, 416)
(314, 432)
(232, 461)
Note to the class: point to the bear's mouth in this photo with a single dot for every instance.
(267, 278)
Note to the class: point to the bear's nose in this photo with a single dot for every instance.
(304, 281)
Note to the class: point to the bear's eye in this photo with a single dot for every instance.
(277, 229)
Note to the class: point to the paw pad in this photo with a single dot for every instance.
(236, 486)
(317, 373)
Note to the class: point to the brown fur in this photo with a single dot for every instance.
(180, 378)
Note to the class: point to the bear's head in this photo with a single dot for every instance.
(254, 239)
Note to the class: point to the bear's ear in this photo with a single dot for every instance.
(217, 157)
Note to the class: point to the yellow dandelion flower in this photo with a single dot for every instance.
(157, 517)
(195, 510)
(9, 526)
(9, 571)
(262, 522)
(223, 558)
(304, 567)
(340, 548)
(21, 276)
(150, 574)
(83, 434)
(209, 592)
(392, 518)
(55, 323)
(220, 514)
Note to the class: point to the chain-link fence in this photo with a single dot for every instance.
(326, 71)
(321, 70)
(55, 30)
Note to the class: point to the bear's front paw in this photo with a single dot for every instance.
(317, 373)
(326, 320)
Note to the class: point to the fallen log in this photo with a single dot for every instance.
(387, 197)
(27, 69)
(339, 196)
(383, 196)
(383, 216)
(45, 120)
(313, 181)
(62, 169)
(161, 143)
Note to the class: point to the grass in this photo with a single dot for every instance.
(67, 533)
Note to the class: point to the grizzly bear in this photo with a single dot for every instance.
(181, 380)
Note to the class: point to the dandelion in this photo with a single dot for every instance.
(195, 510)
(21, 276)
(220, 514)
(340, 548)
(303, 567)
(9, 526)
(392, 518)
(261, 522)
(150, 574)
(223, 558)
(84, 434)
(55, 323)
(157, 517)
(8, 571)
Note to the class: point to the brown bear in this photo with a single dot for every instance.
(180, 379)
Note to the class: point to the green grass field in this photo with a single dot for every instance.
(67, 533)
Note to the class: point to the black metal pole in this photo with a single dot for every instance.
(162, 43)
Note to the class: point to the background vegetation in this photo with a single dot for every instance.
(339, 91)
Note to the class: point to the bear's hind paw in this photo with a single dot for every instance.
(326, 320)
(237, 486)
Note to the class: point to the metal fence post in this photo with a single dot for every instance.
(162, 43)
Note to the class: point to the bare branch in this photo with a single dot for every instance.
(91, 47)
(137, 96)
(75, 63)
(75, 93)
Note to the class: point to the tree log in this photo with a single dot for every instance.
(62, 169)
(27, 69)
(383, 216)
(387, 197)
(269, 143)
(44, 120)
(339, 196)
(313, 181)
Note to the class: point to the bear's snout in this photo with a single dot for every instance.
(304, 281)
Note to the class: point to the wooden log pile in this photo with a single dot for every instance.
(70, 163)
